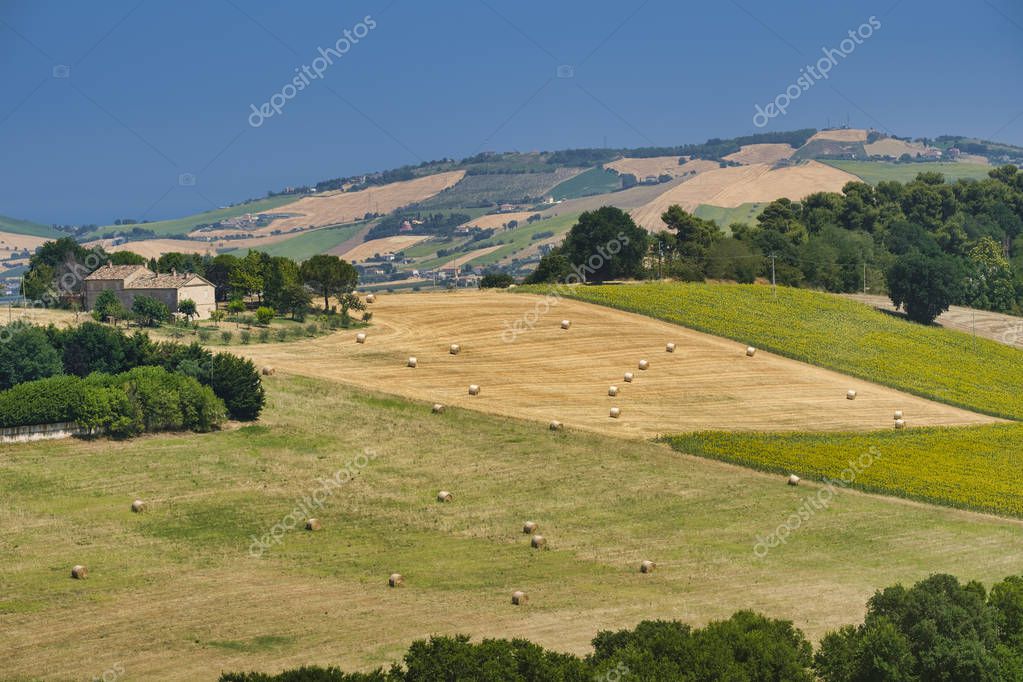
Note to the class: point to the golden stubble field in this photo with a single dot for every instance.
(547, 373)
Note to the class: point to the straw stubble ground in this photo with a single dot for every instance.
(549, 373)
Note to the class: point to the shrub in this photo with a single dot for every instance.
(26, 355)
(282, 335)
(205, 335)
(496, 280)
(236, 306)
(367, 316)
(236, 381)
(312, 329)
(245, 336)
(264, 315)
(226, 336)
(45, 401)
(149, 312)
(264, 335)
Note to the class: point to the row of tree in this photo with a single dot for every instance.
(940, 629)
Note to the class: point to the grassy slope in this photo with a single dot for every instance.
(833, 332)
(174, 594)
(746, 213)
(876, 171)
(180, 226)
(594, 181)
(302, 246)
(18, 226)
(520, 237)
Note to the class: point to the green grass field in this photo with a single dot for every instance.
(747, 213)
(180, 226)
(303, 246)
(594, 181)
(836, 333)
(877, 171)
(27, 227)
(522, 236)
(174, 593)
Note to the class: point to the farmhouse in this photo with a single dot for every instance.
(129, 281)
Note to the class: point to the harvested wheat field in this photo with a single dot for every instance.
(10, 242)
(1007, 329)
(841, 135)
(641, 168)
(894, 148)
(382, 245)
(737, 185)
(761, 153)
(497, 220)
(154, 248)
(334, 208)
(550, 373)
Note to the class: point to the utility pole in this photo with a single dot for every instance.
(774, 284)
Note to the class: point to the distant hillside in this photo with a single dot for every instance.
(16, 226)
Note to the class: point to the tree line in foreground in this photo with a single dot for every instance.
(937, 630)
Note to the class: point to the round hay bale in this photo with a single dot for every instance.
(138, 506)
(538, 542)
(395, 580)
(628, 377)
(370, 298)
(647, 567)
(793, 479)
(454, 349)
(615, 412)
(898, 414)
(670, 348)
(360, 338)
(900, 423)
(750, 351)
(565, 324)
(850, 394)
(412, 362)
(474, 389)
(79, 572)
(644, 365)
(444, 496)
(519, 598)
(530, 527)
(612, 391)
(269, 371)
(313, 524)
(556, 426)
(438, 408)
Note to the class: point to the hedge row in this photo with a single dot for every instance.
(122, 405)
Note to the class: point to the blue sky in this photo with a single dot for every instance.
(154, 90)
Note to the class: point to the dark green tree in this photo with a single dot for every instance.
(149, 312)
(606, 244)
(925, 286)
(329, 276)
(26, 355)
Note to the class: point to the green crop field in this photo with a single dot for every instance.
(833, 332)
(746, 213)
(878, 171)
(27, 227)
(975, 468)
(519, 238)
(186, 588)
(594, 181)
(302, 246)
(180, 226)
